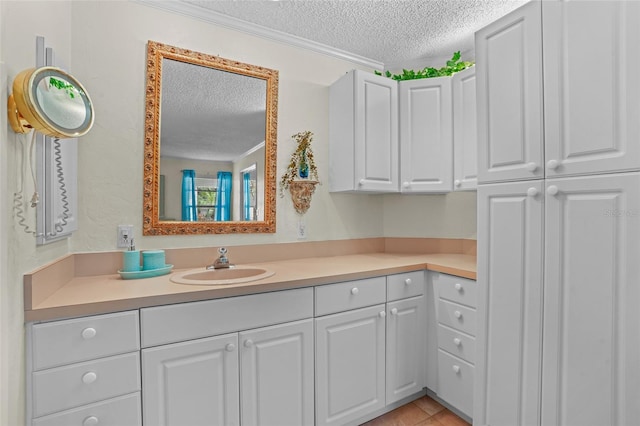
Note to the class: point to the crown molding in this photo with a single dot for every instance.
(220, 19)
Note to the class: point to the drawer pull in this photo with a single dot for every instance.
(230, 347)
(382, 314)
(456, 369)
(531, 166)
(457, 314)
(248, 343)
(457, 341)
(408, 281)
(552, 164)
(89, 333)
(355, 291)
(458, 287)
(394, 311)
(90, 377)
(90, 421)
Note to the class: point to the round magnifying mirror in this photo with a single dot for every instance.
(50, 101)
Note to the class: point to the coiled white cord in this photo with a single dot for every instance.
(62, 222)
(18, 198)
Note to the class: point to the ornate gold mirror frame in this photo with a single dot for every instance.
(152, 225)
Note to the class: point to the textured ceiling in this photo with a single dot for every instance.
(396, 33)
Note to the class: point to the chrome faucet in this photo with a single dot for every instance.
(221, 262)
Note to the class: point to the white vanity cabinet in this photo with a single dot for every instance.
(363, 133)
(456, 330)
(257, 376)
(368, 357)
(426, 135)
(84, 371)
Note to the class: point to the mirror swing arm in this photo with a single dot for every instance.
(151, 224)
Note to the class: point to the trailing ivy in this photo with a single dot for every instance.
(453, 66)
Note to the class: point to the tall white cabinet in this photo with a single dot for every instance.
(559, 216)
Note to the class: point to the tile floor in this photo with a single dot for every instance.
(421, 412)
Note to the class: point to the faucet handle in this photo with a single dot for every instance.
(222, 250)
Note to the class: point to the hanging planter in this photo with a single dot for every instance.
(301, 175)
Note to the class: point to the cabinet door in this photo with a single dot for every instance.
(509, 313)
(591, 87)
(465, 130)
(431, 332)
(350, 365)
(509, 89)
(406, 342)
(426, 135)
(591, 298)
(376, 133)
(192, 383)
(276, 370)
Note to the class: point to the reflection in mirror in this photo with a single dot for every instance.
(210, 144)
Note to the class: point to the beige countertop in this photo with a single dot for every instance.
(94, 294)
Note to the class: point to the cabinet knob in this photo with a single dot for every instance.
(458, 287)
(394, 311)
(457, 183)
(382, 314)
(89, 333)
(406, 184)
(90, 421)
(552, 190)
(355, 291)
(248, 343)
(90, 377)
(230, 347)
(408, 281)
(456, 369)
(457, 314)
(552, 164)
(457, 341)
(532, 192)
(531, 166)
(361, 182)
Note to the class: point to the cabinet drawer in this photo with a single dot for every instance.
(455, 382)
(68, 341)
(456, 343)
(457, 316)
(121, 411)
(194, 320)
(456, 289)
(74, 385)
(402, 286)
(349, 295)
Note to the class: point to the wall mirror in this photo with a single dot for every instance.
(210, 144)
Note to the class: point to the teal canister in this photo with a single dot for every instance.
(153, 259)
(131, 261)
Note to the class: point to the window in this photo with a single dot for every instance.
(206, 191)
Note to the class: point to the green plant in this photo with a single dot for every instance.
(301, 157)
(453, 66)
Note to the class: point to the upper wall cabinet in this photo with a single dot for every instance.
(364, 112)
(426, 135)
(589, 124)
(591, 86)
(509, 89)
(465, 130)
(363, 133)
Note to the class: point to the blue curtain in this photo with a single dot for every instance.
(223, 202)
(246, 195)
(189, 201)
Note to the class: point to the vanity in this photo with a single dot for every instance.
(325, 341)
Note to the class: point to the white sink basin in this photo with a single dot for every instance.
(232, 275)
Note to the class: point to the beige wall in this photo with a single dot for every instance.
(104, 44)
